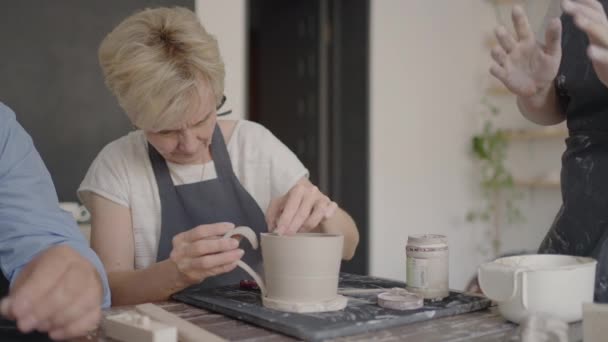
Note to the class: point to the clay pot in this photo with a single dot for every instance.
(300, 270)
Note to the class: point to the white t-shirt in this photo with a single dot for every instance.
(122, 173)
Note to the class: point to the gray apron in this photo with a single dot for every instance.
(222, 199)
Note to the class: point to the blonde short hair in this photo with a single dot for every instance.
(154, 62)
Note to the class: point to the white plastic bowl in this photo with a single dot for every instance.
(556, 285)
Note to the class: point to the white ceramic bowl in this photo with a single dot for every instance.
(556, 285)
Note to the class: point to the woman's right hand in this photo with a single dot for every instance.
(201, 252)
(522, 64)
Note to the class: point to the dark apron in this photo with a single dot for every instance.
(222, 199)
(581, 225)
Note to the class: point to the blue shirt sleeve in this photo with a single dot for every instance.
(30, 218)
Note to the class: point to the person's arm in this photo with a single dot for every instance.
(31, 223)
(197, 254)
(296, 204)
(112, 239)
(590, 17)
(342, 223)
(337, 222)
(58, 291)
(306, 209)
(528, 69)
(542, 108)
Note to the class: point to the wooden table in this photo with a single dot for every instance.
(486, 325)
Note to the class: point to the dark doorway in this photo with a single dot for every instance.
(308, 84)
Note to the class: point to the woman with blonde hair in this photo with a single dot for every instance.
(161, 196)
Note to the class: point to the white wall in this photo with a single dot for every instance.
(428, 71)
(226, 19)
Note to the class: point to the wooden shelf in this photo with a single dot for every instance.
(498, 90)
(537, 183)
(504, 2)
(536, 133)
(490, 41)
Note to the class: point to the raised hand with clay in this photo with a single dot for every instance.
(524, 66)
(528, 68)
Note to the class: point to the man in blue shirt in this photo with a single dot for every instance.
(57, 283)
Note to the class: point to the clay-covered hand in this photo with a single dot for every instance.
(521, 63)
(302, 209)
(59, 292)
(201, 252)
(590, 17)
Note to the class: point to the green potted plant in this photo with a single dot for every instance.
(499, 195)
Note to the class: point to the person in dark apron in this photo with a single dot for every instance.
(222, 199)
(577, 95)
(171, 97)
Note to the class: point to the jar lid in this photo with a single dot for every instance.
(400, 299)
(427, 239)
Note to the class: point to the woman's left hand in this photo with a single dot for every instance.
(590, 17)
(302, 209)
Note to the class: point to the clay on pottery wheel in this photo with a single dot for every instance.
(301, 270)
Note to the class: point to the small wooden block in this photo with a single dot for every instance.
(187, 331)
(595, 322)
(131, 326)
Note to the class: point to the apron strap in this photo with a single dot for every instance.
(161, 171)
(221, 158)
(219, 152)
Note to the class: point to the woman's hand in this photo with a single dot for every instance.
(523, 65)
(302, 209)
(590, 17)
(201, 252)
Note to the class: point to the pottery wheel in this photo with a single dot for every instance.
(334, 304)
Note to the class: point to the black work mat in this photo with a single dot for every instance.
(362, 314)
